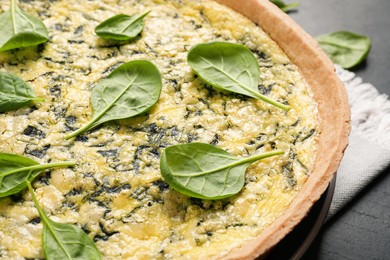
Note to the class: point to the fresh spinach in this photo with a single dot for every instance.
(285, 7)
(230, 67)
(15, 92)
(345, 48)
(204, 171)
(60, 241)
(129, 90)
(15, 170)
(19, 29)
(121, 27)
(64, 241)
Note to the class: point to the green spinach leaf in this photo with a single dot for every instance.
(14, 92)
(129, 90)
(15, 170)
(204, 171)
(283, 6)
(230, 67)
(64, 241)
(19, 29)
(121, 27)
(345, 48)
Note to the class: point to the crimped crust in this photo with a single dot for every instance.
(333, 109)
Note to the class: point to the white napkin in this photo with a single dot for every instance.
(368, 153)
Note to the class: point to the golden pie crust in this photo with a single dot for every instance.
(333, 110)
(76, 184)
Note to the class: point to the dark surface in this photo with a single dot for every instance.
(362, 229)
(296, 243)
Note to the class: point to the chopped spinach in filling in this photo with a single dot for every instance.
(116, 193)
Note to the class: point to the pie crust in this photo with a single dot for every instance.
(117, 189)
(333, 111)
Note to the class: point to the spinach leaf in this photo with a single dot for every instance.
(345, 48)
(230, 67)
(129, 90)
(121, 27)
(64, 241)
(15, 170)
(283, 6)
(19, 29)
(14, 92)
(204, 171)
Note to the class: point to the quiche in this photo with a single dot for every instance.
(115, 193)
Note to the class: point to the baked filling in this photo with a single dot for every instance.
(116, 192)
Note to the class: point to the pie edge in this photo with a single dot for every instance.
(333, 109)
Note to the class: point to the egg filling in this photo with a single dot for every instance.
(116, 193)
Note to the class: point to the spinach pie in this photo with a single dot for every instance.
(115, 192)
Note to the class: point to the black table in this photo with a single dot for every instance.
(362, 229)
